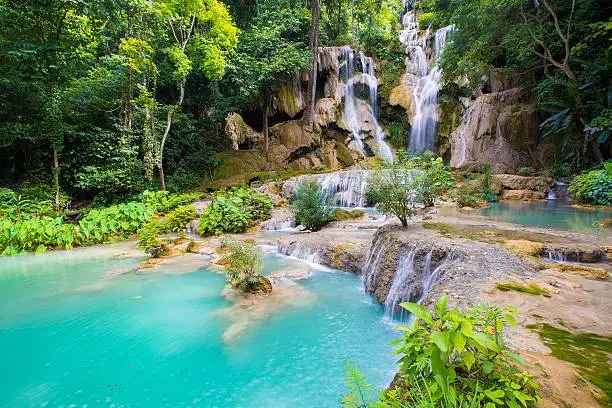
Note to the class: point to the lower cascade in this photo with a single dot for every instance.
(346, 188)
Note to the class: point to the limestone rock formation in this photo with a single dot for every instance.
(239, 133)
(401, 94)
(523, 195)
(499, 129)
(514, 182)
(290, 98)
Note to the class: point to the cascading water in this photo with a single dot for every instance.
(425, 77)
(346, 188)
(350, 114)
(558, 191)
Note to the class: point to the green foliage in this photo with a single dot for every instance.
(462, 354)
(312, 206)
(175, 221)
(526, 171)
(234, 211)
(242, 265)
(360, 392)
(148, 236)
(164, 201)
(179, 217)
(432, 181)
(396, 134)
(465, 195)
(593, 187)
(408, 181)
(426, 19)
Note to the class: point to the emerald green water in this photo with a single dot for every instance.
(73, 333)
(549, 214)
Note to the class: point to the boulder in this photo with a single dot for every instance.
(523, 195)
(514, 182)
(239, 133)
(326, 112)
(401, 94)
(499, 129)
(292, 135)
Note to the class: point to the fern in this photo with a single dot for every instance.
(360, 392)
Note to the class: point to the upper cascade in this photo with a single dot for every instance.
(366, 76)
(425, 77)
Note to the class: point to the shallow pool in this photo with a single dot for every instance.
(75, 330)
(549, 214)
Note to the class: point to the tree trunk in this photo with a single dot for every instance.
(265, 126)
(313, 42)
(160, 164)
(404, 222)
(55, 179)
(128, 102)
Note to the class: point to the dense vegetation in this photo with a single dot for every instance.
(452, 359)
(31, 226)
(234, 211)
(593, 187)
(117, 97)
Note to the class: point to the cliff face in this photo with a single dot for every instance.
(499, 129)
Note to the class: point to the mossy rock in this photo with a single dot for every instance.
(260, 286)
(344, 155)
(523, 247)
(341, 214)
(605, 223)
(194, 247)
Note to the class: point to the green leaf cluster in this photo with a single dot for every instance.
(462, 355)
(234, 211)
(312, 206)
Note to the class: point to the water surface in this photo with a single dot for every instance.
(76, 332)
(548, 214)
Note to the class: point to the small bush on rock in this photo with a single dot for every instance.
(243, 267)
(312, 206)
(525, 171)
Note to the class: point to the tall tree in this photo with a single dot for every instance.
(200, 31)
(313, 44)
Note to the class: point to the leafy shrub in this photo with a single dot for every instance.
(426, 19)
(148, 234)
(6, 197)
(466, 196)
(392, 192)
(312, 206)
(432, 182)
(396, 134)
(164, 201)
(463, 354)
(243, 267)
(234, 211)
(183, 180)
(179, 217)
(526, 171)
(593, 187)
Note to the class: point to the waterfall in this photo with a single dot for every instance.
(426, 79)
(557, 256)
(298, 251)
(373, 261)
(346, 188)
(409, 285)
(558, 191)
(350, 115)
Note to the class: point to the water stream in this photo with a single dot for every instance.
(81, 328)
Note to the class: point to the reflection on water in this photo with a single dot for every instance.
(548, 214)
(73, 333)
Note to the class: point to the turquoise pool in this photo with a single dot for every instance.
(549, 214)
(76, 330)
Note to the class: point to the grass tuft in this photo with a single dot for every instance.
(531, 288)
